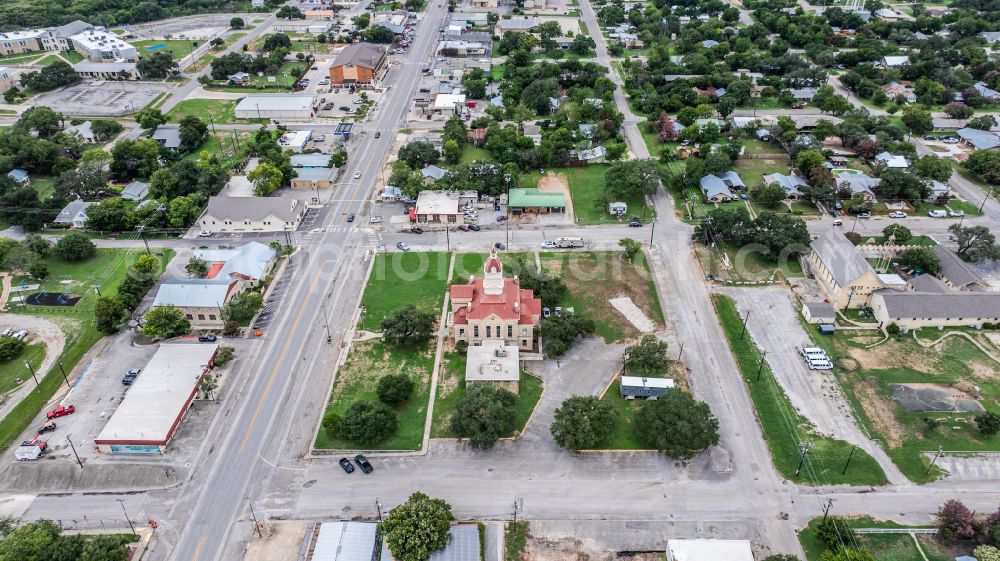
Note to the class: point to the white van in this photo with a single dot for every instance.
(20, 335)
(937, 214)
(7, 332)
(814, 352)
(820, 364)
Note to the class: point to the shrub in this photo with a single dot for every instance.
(394, 389)
(224, 356)
(75, 247)
(10, 347)
(367, 423)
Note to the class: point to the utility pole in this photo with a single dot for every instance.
(518, 505)
(681, 352)
(32, 370)
(760, 367)
(142, 234)
(988, 195)
(65, 377)
(506, 180)
(742, 333)
(69, 440)
(826, 508)
(256, 525)
(447, 237)
(802, 457)
(652, 228)
(122, 502)
(848, 462)
(937, 455)
(378, 509)
(326, 322)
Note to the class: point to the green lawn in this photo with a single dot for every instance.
(885, 547)
(624, 435)
(754, 146)
(107, 268)
(72, 56)
(399, 279)
(744, 266)
(234, 37)
(471, 154)
(13, 369)
(22, 58)
(904, 434)
(451, 386)
(594, 277)
(180, 48)
(48, 60)
(221, 111)
(44, 186)
(586, 185)
(203, 61)
(784, 429)
(752, 172)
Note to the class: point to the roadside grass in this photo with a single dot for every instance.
(865, 375)
(586, 186)
(202, 62)
(451, 387)
(179, 48)
(515, 539)
(109, 265)
(217, 110)
(357, 380)
(399, 279)
(885, 547)
(11, 370)
(234, 37)
(924, 241)
(784, 429)
(594, 277)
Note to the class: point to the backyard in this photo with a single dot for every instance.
(866, 370)
(784, 428)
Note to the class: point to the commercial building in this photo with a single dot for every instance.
(310, 160)
(440, 207)
(47, 39)
(276, 106)
(18, 42)
(346, 541)
(107, 70)
(913, 310)
(249, 263)
(152, 409)
(295, 141)
(463, 545)
(251, 214)
(844, 275)
(314, 178)
(7, 78)
(709, 550)
(642, 387)
(534, 201)
(494, 362)
(97, 45)
(358, 63)
(201, 300)
(494, 308)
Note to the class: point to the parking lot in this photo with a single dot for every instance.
(188, 27)
(98, 98)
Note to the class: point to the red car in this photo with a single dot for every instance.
(61, 411)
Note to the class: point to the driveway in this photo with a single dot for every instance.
(776, 330)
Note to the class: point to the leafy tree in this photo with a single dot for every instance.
(583, 423)
(104, 548)
(164, 322)
(955, 521)
(394, 389)
(265, 178)
(933, 167)
(899, 185)
(986, 553)
(134, 158)
(985, 164)
(196, 267)
(769, 195)
(483, 414)
(677, 425)
(408, 326)
(647, 358)
(237, 23)
(834, 532)
(982, 122)
(242, 307)
(150, 118)
(74, 247)
(38, 270)
(561, 330)
(105, 129)
(922, 258)
(454, 129)
(33, 541)
(452, 152)
(182, 211)
(957, 110)
(193, 132)
(901, 233)
(42, 120)
(549, 288)
(974, 242)
(781, 557)
(988, 423)
(367, 423)
(362, 21)
(55, 75)
(417, 527)
(808, 160)
(109, 313)
(918, 119)
(419, 154)
(582, 44)
(157, 65)
(109, 215)
(634, 178)
(10, 347)
(20, 258)
(290, 13)
(630, 248)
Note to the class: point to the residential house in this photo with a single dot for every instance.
(790, 183)
(532, 200)
(432, 173)
(314, 178)
(804, 94)
(493, 362)
(709, 43)
(986, 92)
(844, 275)
(975, 139)
(937, 191)
(358, 63)
(83, 131)
(169, 136)
(239, 78)
(440, 207)
(805, 122)
(888, 14)
(895, 89)
(20, 176)
(721, 188)
(641, 387)
(74, 214)
(534, 132)
(391, 194)
(859, 184)
(892, 161)
(477, 136)
(135, 191)
(990, 36)
(494, 307)
(894, 61)
(251, 214)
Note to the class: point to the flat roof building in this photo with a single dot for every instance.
(438, 206)
(152, 409)
(494, 362)
(642, 387)
(97, 45)
(533, 200)
(276, 106)
(709, 550)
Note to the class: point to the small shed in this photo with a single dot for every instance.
(819, 312)
(641, 387)
(827, 329)
(617, 208)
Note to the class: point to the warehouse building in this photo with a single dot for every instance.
(152, 409)
(277, 106)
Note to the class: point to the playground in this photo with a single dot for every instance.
(52, 299)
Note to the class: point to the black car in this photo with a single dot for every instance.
(474, 227)
(417, 230)
(634, 224)
(130, 376)
(350, 217)
(499, 245)
(501, 218)
(347, 465)
(363, 463)
(207, 338)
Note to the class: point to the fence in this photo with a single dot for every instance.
(880, 251)
(91, 524)
(895, 530)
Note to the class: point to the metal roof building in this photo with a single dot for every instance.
(346, 541)
(632, 387)
(155, 403)
(276, 106)
(709, 550)
(533, 198)
(463, 545)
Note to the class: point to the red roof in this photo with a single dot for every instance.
(214, 270)
(502, 305)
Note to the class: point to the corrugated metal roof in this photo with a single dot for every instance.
(345, 541)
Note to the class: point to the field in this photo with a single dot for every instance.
(586, 185)
(180, 49)
(743, 266)
(12, 369)
(451, 386)
(885, 547)
(865, 374)
(784, 429)
(424, 275)
(594, 277)
(752, 171)
(220, 111)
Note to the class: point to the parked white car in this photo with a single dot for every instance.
(549, 244)
(205, 234)
(375, 220)
(937, 214)
(956, 213)
(897, 214)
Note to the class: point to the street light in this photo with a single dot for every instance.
(122, 502)
(32, 370)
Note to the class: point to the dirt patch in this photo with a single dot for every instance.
(574, 549)
(633, 314)
(558, 183)
(982, 371)
(878, 357)
(880, 411)
(679, 373)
